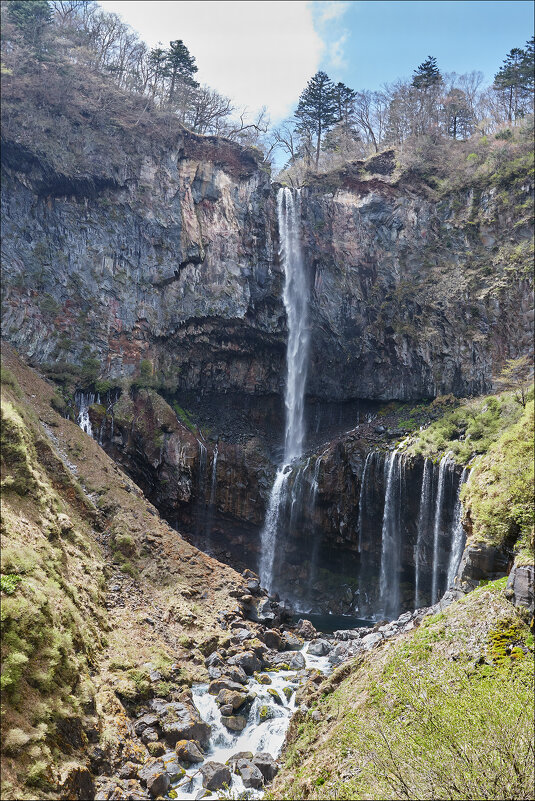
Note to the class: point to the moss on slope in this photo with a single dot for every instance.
(443, 712)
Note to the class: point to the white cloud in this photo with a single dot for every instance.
(336, 52)
(331, 10)
(258, 53)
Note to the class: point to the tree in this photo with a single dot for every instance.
(427, 75)
(516, 376)
(514, 81)
(180, 67)
(458, 117)
(31, 18)
(317, 110)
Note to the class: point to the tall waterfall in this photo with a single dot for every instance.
(391, 536)
(442, 470)
(84, 400)
(459, 536)
(295, 298)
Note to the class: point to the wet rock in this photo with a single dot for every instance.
(250, 774)
(215, 775)
(128, 771)
(156, 749)
(261, 611)
(319, 647)
(266, 765)
(290, 642)
(521, 585)
(247, 660)
(230, 698)
(306, 630)
(272, 639)
(181, 722)
(239, 755)
(189, 751)
(288, 692)
(262, 678)
(224, 684)
(293, 661)
(234, 722)
(276, 697)
(158, 784)
(226, 709)
(264, 713)
(236, 673)
(173, 769)
(214, 660)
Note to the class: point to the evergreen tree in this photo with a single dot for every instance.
(180, 66)
(157, 62)
(317, 110)
(30, 17)
(514, 80)
(427, 75)
(345, 102)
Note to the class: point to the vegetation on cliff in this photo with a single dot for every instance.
(443, 712)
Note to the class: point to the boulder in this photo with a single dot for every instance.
(266, 765)
(234, 722)
(76, 783)
(189, 751)
(149, 735)
(521, 585)
(306, 630)
(183, 722)
(230, 698)
(215, 775)
(272, 639)
(236, 673)
(371, 640)
(239, 755)
(319, 647)
(290, 642)
(217, 685)
(250, 774)
(158, 784)
(276, 697)
(214, 660)
(295, 661)
(261, 611)
(145, 721)
(247, 660)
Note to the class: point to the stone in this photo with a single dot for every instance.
(158, 784)
(231, 761)
(250, 774)
(290, 642)
(149, 735)
(315, 715)
(236, 673)
(272, 639)
(76, 783)
(224, 684)
(371, 640)
(181, 722)
(189, 751)
(156, 748)
(306, 630)
(128, 771)
(226, 709)
(521, 585)
(231, 698)
(276, 697)
(214, 660)
(261, 611)
(234, 722)
(150, 768)
(247, 660)
(173, 769)
(319, 647)
(215, 775)
(263, 678)
(266, 765)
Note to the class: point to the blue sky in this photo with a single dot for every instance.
(370, 43)
(262, 52)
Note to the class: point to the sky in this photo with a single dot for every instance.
(263, 52)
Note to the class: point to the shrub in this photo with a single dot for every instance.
(9, 583)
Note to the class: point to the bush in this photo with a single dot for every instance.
(9, 583)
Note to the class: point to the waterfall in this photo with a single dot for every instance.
(444, 463)
(391, 537)
(84, 400)
(458, 536)
(316, 538)
(200, 516)
(362, 495)
(422, 528)
(209, 513)
(295, 297)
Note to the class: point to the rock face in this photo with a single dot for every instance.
(521, 584)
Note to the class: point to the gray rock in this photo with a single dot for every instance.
(214, 660)
(231, 762)
(251, 776)
(479, 562)
(226, 709)
(149, 735)
(150, 719)
(230, 698)
(236, 673)
(215, 775)
(217, 685)
(158, 784)
(261, 611)
(266, 765)
(181, 722)
(234, 722)
(521, 585)
(247, 660)
(371, 640)
(189, 751)
(306, 630)
(272, 639)
(290, 642)
(153, 767)
(319, 647)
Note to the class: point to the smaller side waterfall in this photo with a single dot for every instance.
(83, 401)
(459, 536)
(362, 497)
(442, 471)
(200, 504)
(209, 516)
(391, 537)
(423, 525)
(271, 525)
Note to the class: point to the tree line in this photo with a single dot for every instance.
(330, 118)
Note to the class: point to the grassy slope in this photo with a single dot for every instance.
(444, 711)
(67, 660)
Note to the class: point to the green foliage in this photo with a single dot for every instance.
(499, 496)
(9, 583)
(89, 372)
(184, 416)
(427, 74)
(8, 379)
(317, 108)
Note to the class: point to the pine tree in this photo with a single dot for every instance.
(345, 102)
(427, 74)
(157, 61)
(317, 110)
(458, 114)
(30, 17)
(180, 66)
(514, 80)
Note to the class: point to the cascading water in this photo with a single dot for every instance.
(84, 400)
(423, 527)
(391, 537)
(459, 536)
(295, 298)
(209, 517)
(443, 467)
